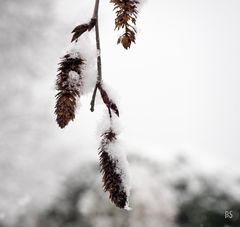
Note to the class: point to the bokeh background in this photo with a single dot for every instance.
(178, 90)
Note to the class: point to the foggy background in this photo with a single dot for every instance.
(178, 99)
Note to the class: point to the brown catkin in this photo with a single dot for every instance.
(112, 180)
(126, 15)
(68, 85)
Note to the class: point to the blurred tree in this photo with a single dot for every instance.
(207, 207)
(162, 196)
(83, 204)
(23, 26)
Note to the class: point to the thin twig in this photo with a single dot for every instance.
(99, 62)
(93, 97)
(98, 85)
(96, 7)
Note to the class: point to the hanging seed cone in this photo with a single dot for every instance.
(68, 85)
(126, 15)
(112, 179)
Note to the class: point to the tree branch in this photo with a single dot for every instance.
(93, 97)
(96, 7)
(99, 62)
(108, 102)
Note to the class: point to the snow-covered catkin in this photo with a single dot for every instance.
(112, 176)
(126, 15)
(68, 85)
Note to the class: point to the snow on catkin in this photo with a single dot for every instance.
(85, 46)
(68, 85)
(114, 165)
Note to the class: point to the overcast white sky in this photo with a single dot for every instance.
(178, 85)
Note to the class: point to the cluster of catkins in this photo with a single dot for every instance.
(70, 83)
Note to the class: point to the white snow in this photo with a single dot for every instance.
(74, 53)
(112, 93)
(140, 5)
(74, 80)
(73, 77)
(153, 201)
(117, 152)
(85, 48)
(105, 123)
